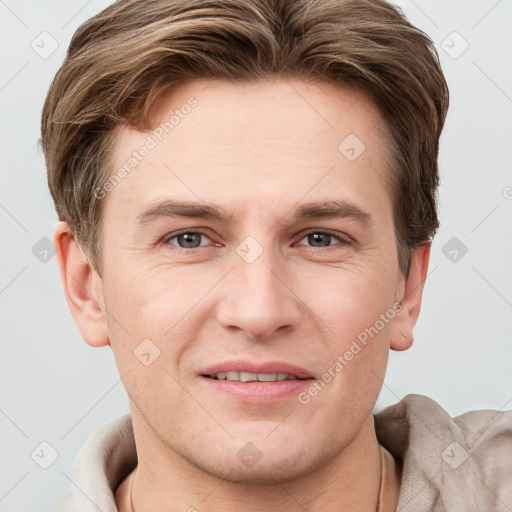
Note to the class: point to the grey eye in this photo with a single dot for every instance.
(321, 239)
(189, 240)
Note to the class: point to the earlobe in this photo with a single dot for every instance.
(403, 326)
(82, 286)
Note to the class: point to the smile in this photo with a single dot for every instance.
(252, 377)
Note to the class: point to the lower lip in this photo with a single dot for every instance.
(259, 392)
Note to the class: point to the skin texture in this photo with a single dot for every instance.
(258, 151)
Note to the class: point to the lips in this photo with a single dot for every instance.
(247, 371)
(254, 383)
(252, 377)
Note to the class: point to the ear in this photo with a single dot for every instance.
(405, 320)
(83, 287)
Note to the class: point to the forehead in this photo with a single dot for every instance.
(263, 140)
(278, 108)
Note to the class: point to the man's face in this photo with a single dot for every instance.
(263, 289)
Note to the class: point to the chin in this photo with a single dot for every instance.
(270, 469)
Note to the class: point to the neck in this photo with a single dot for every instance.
(350, 481)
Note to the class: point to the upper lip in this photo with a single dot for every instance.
(253, 367)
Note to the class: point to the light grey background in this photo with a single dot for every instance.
(57, 389)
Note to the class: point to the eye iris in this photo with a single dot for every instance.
(190, 240)
(323, 238)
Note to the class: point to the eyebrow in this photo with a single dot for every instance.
(318, 210)
(172, 208)
(333, 209)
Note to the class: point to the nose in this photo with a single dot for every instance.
(259, 298)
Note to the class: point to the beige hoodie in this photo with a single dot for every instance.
(461, 464)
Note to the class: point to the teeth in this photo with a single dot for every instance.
(251, 377)
(248, 377)
(267, 377)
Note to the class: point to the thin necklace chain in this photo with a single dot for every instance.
(131, 488)
(378, 504)
(381, 485)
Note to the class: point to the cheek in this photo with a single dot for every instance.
(356, 310)
(153, 309)
(150, 331)
(349, 301)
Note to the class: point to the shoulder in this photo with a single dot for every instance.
(487, 436)
(416, 414)
(101, 464)
(419, 411)
(462, 461)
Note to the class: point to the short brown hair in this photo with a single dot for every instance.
(122, 59)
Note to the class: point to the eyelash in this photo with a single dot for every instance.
(167, 240)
